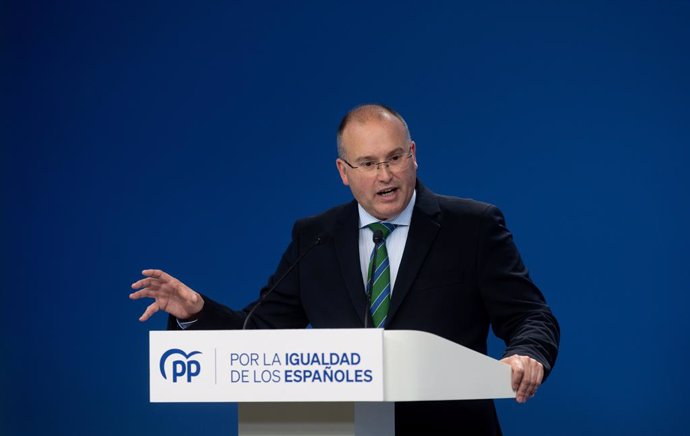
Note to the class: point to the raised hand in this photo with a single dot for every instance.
(170, 295)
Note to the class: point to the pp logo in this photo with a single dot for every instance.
(180, 367)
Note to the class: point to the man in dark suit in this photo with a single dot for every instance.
(450, 268)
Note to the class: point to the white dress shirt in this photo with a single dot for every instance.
(395, 242)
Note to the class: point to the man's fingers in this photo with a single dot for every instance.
(169, 294)
(158, 274)
(534, 373)
(146, 283)
(153, 308)
(153, 276)
(527, 375)
(518, 373)
(142, 283)
(525, 388)
(144, 293)
(538, 376)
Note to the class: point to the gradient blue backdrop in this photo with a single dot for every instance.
(189, 136)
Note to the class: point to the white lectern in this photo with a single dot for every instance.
(319, 381)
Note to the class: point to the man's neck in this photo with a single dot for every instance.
(402, 219)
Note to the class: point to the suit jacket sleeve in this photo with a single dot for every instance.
(517, 308)
(282, 310)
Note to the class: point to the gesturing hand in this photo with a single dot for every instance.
(170, 295)
(527, 376)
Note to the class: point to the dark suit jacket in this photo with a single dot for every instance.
(460, 273)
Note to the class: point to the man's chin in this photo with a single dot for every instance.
(387, 211)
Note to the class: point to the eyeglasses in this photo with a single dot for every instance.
(394, 162)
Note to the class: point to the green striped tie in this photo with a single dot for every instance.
(381, 289)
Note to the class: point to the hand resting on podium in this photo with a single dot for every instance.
(527, 376)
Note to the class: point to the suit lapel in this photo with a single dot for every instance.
(423, 229)
(346, 237)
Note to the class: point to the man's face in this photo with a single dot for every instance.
(386, 191)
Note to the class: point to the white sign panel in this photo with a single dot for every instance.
(266, 365)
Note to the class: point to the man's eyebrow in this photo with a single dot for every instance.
(391, 153)
(397, 151)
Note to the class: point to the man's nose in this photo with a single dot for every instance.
(383, 171)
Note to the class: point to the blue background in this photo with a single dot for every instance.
(188, 136)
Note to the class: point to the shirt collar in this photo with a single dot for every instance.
(403, 219)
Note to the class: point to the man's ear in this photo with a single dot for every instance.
(413, 149)
(342, 171)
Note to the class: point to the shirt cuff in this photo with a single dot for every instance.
(185, 324)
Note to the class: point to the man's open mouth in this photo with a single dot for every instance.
(386, 192)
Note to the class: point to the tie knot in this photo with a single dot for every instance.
(385, 228)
